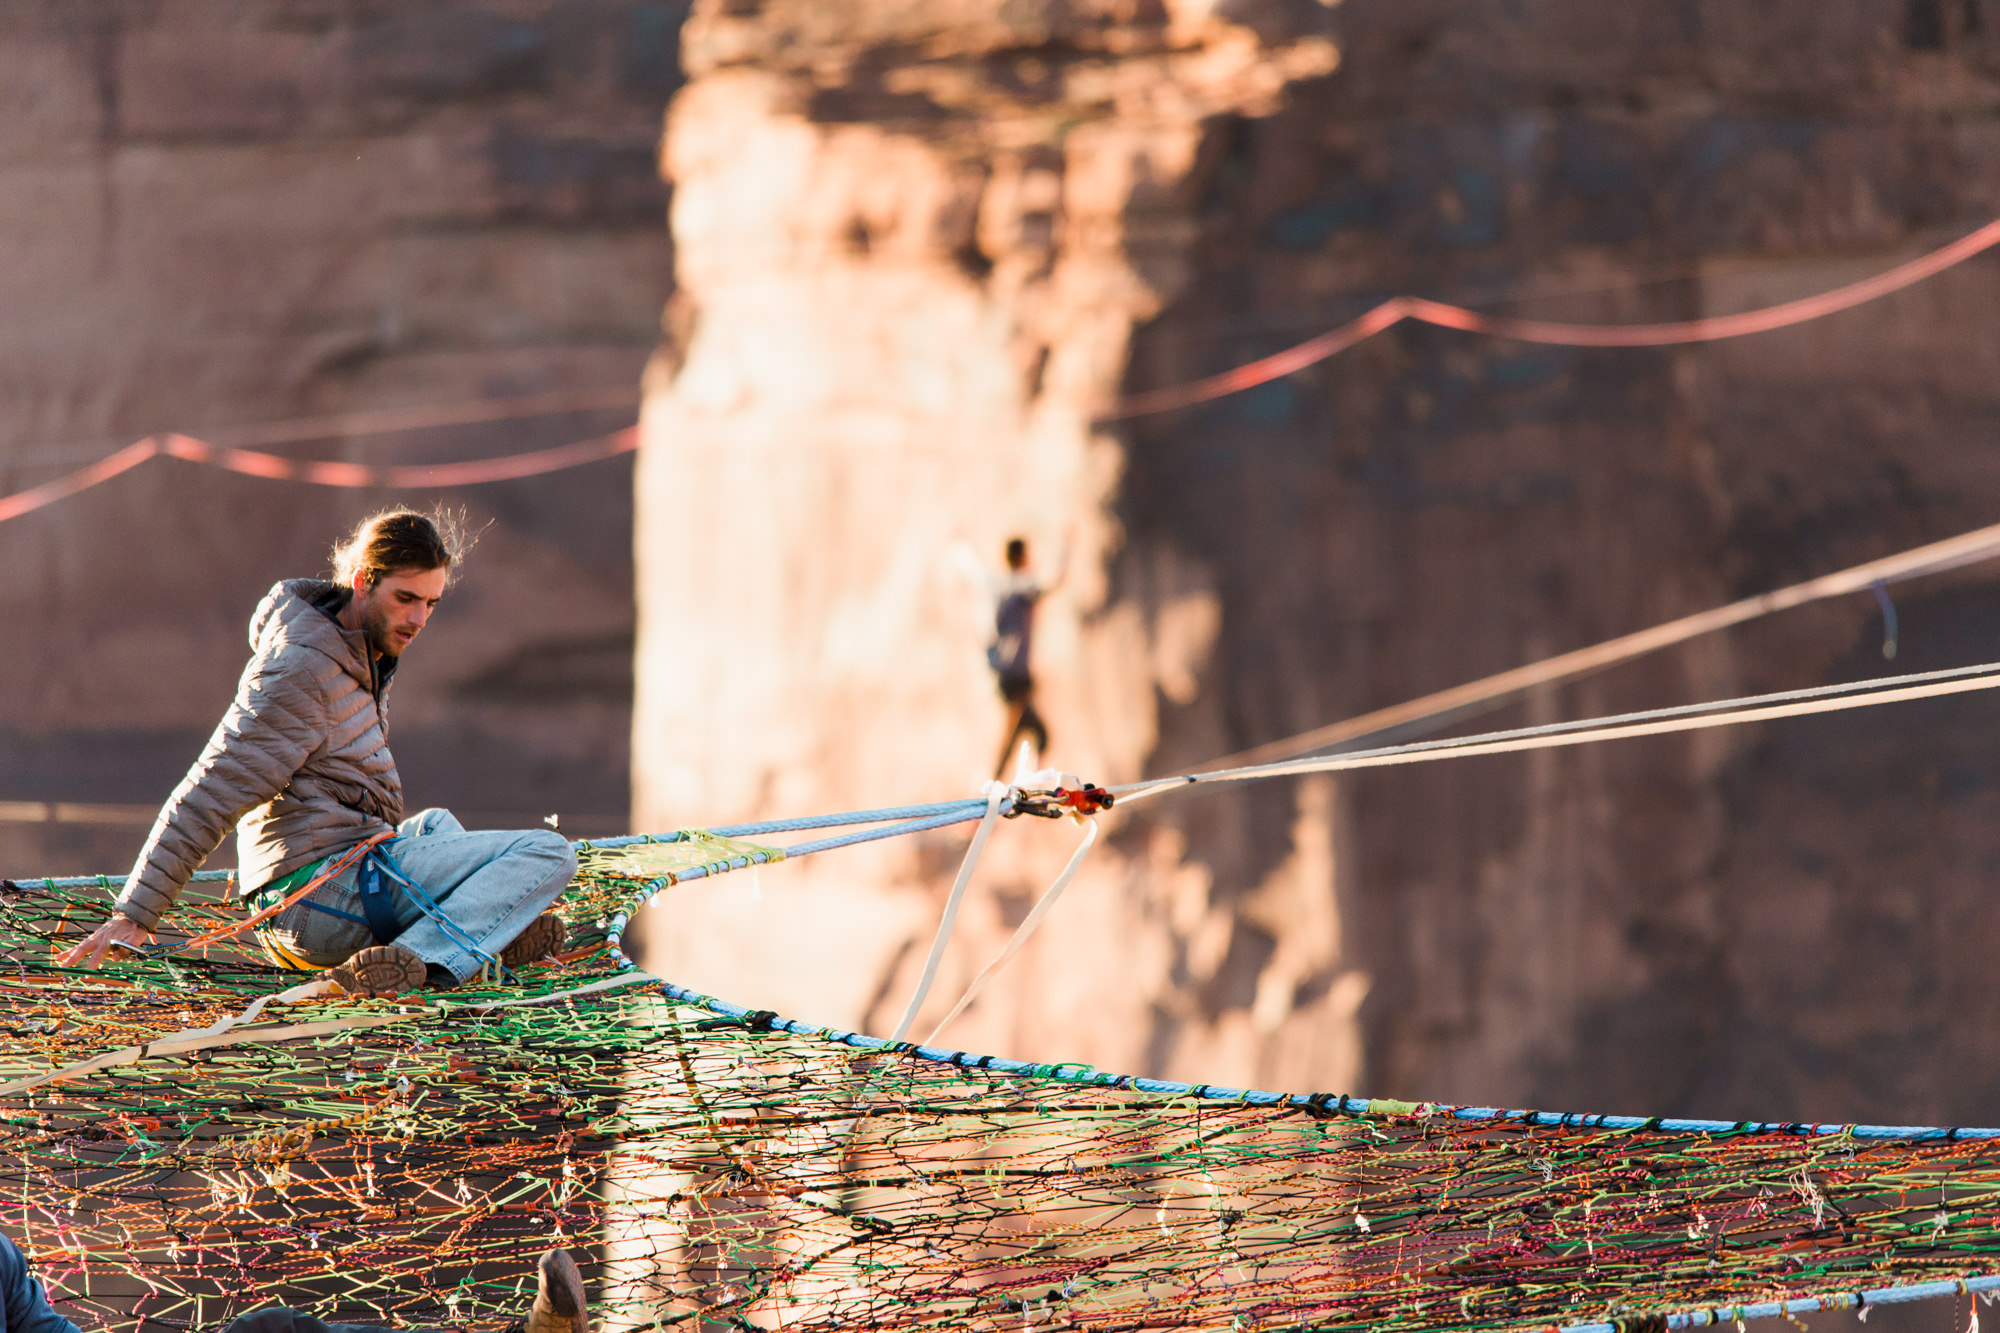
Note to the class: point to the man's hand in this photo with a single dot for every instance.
(120, 931)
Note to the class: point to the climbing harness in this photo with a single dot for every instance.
(327, 871)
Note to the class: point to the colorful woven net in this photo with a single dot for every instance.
(713, 1169)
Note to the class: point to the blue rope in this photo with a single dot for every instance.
(92, 881)
(798, 825)
(957, 812)
(1841, 1300)
(938, 815)
(1089, 1076)
(905, 812)
(964, 814)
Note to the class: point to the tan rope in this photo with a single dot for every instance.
(1935, 558)
(1476, 746)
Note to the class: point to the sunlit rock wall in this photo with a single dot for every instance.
(918, 253)
(912, 246)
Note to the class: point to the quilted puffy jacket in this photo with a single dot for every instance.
(299, 765)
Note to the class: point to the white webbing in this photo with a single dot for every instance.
(1022, 932)
(995, 793)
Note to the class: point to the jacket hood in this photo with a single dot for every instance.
(291, 614)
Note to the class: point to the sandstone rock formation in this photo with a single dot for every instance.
(919, 247)
(912, 245)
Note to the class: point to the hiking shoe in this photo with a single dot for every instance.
(558, 1306)
(543, 937)
(380, 970)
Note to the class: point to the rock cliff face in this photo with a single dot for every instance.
(913, 243)
(1755, 920)
(919, 246)
(215, 214)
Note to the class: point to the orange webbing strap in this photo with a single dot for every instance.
(332, 868)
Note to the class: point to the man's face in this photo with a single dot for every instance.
(397, 606)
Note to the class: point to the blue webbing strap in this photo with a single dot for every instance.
(376, 908)
(375, 902)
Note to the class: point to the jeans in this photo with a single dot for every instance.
(490, 885)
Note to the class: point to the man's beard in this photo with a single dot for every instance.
(375, 629)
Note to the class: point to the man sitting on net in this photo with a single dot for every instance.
(558, 1306)
(300, 766)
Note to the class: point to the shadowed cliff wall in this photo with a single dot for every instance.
(895, 331)
(216, 214)
(1780, 917)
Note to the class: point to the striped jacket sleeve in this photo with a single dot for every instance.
(277, 720)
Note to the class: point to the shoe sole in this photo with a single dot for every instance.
(383, 969)
(561, 1288)
(563, 1283)
(543, 937)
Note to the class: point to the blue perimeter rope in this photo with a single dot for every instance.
(940, 814)
(1839, 1300)
(976, 805)
(1089, 1076)
(1071, 1071)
